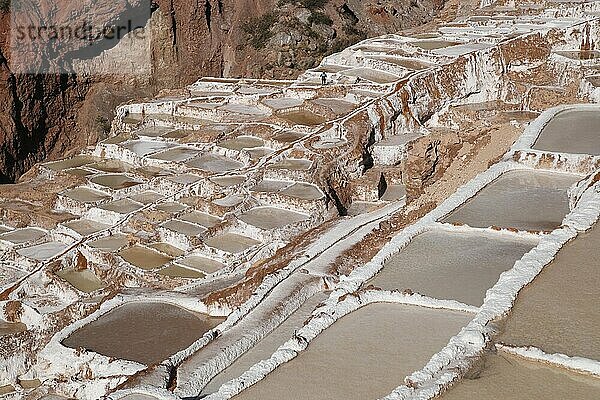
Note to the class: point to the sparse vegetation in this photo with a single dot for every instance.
(259, 30)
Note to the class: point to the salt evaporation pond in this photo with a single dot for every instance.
(86, 195)
(267, 346)
(146, 147)
(214, 163)
(452, 265)
(504, 376)
(23, 235)
(178, 154)
(201, 218)
(86, 227)
(123, 206)
(571, 131)
(394, 193)
(146, 332)
(522, 199)
(393, 341)
(144, 258)
(558, 311)
(303, 191)
(10, 328)
(183, 227)
(44, 251)
(228, 181)
(231, 242)
(292, 164)
(241, 142)
(272, 217)
(84, 280)
(115, 181)
(205, 265)
(110, 243)
(302, 117)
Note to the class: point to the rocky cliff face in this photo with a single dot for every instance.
(46, 116)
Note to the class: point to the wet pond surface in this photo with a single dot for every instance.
(572, 131)
(504, 376)
(231, 242)
(302, 117)
(393, 340)
(265, 348)
(521, 199)
(214, 163)
(84, 280)
(452, 265)
(558, 311)
(144, 332)
(144, 258)
(115, 181)
(272, 217)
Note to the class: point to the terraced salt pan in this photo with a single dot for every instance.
(393, 341)
(145, 147)
(167, 249)
(292, 164)
(504, 376)
(302, 117)
(231, 200)
(558, 311)
(86, 227)
(171, 207)
(303, 191)
(144, 332)
(394, 193)
(147, 197)
(184, 179)
(115, 181)
(153, 131)
(201, 218)
(144, 258)
(372, 75)
(272, 217)
(123, 206)
(178, 154)
(231, 242)
(283, 103)
(110, 243)
(23, 235)
(202, 264)
(175, 271)
(44, 251)
(571, 131)
(86, 195)
(289, 136)
(521, 199)
(434, 44)
(10, 328)
(241, 142)
(228, 181)
(267, 346)
(270, 186)
(184, 227)
(84, 280)
(257, 153)
(452, 265)
(339, 106)
(214, 163)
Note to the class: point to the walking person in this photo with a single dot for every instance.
(323, 78)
